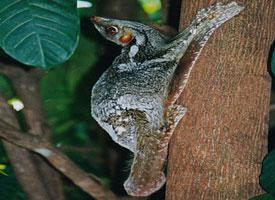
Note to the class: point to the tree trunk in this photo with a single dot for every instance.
(217, 149)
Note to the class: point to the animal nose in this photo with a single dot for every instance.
(95, 19)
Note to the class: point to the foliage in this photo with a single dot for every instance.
(5, 88)
(267, 177)
(59, 100)
(2, 168)
(152, 8)
(10, 189)
(49, 28)
(263, 197)
(66, 108)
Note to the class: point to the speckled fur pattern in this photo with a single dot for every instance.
(129, 99)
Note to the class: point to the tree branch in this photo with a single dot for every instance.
(61, 162)
(12, 71)
(21, 160)
(8, 70)
(38, 143)
(26, 85)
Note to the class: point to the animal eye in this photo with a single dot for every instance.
(111, 30)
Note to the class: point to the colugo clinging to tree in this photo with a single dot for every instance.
(135, 99)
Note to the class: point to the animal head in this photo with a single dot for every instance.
(123, 32)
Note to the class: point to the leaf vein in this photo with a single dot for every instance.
(15, 28)
(52, 11)
(49, 19)
(62, 3)
(24, 38)
(53, 29)
(40, 50)
(55, 44)
(13, 15)
(9, 5)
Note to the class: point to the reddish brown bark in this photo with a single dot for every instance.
(217, 149)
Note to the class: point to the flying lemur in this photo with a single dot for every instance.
(135, 99)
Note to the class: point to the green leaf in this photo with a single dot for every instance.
(267, 177)
(9, 188)
(61, 101)
(263, 197)
(2, 168)
(5, 87)
(40, 33)
(152, 8)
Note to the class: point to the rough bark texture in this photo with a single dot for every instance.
(217, 149)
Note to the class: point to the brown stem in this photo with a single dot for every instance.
(26, 86)
(21, 160)
(61, 162)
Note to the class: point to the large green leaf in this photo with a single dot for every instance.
(267, 177)
(40, 33)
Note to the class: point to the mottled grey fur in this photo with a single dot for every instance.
(130, 99)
